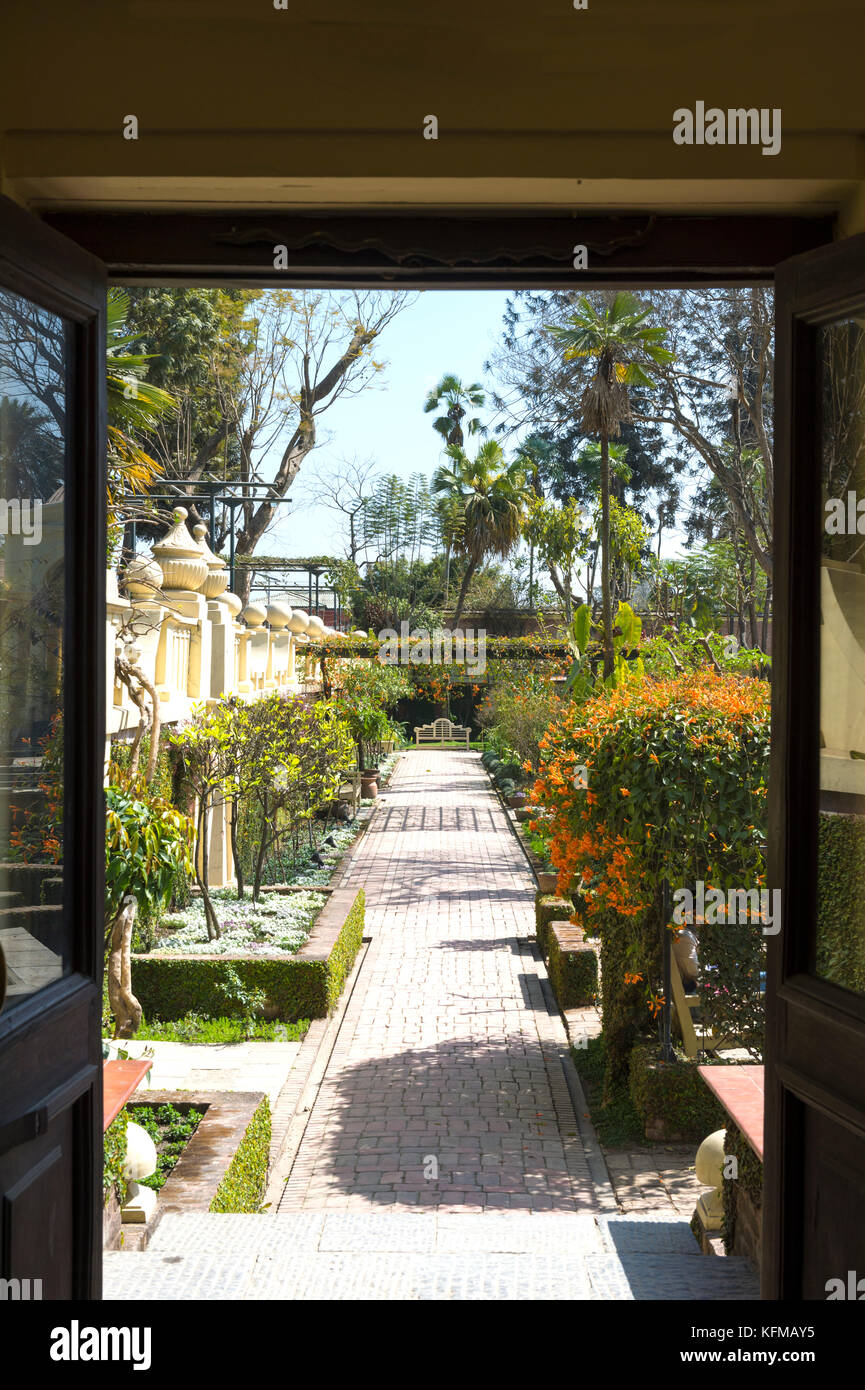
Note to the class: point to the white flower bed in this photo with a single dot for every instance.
(278, 924)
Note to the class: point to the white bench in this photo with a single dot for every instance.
(441, 731)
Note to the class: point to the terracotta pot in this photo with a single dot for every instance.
(518, 799)
(548, 882)
(368, 788)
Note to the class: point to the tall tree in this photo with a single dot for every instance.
(620, 344)
(489, 496)
(454, 400)
(717, 396)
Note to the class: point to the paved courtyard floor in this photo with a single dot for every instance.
(443, 1156)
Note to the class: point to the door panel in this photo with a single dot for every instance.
(814, 1224)
(52, 722)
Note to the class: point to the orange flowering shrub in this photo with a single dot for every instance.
(654, 780)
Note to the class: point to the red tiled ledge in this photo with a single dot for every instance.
(119, 1080)
(740, 1091)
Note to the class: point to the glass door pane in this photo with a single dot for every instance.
(840, 936)
(33, 444)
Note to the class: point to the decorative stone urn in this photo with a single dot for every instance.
(278, 615)
(299, 622)
(217, 574)
(254, 614)
(184, 568)
(232, 603)
(142, 577)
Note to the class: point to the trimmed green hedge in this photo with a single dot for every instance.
(671, 1098)
(549, 907)
(840, 911)
(170, 987)
(342, 956)
(573, 975)
(245, 1183)
(114, 1158)
(749, 1179)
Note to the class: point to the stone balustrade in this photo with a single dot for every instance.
(171, 615)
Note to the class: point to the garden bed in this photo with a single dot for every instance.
(278, 924)
(271, 985)
(170, 1127)
(223, 1165)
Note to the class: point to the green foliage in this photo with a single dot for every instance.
(611, 1109)
(364, 693)
(114, 1158)
(840, 909)
(170, 988)
(517, 712)
(677, 650)
(147, 844)
(245, 1183)
(583, 678)
(484, 500)
(171, 1130)
(550, 907)
(677, 784)
(573, 974)
(671, 1098)
(748, 1180)
(193, 1028)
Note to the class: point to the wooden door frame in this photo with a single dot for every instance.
(45, 268)
(810, 290)
(370, 249)
(367, 248)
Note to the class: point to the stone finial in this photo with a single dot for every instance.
(142, 577)
(217, 574)
(183, 565)
(232, 603)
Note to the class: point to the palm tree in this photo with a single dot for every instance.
(455, 399)
(133, 406)
(621, 346)
(486, 498)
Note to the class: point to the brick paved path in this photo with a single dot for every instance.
(448, 1060)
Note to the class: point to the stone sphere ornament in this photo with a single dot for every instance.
(254, 614)
(141, 1156)
(278, 615)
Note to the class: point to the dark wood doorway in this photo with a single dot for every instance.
(52, 731)
(49, 1042)
(814, 1189)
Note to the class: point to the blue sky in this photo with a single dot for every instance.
(443, 331)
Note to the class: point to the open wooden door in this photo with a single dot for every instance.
(814, 1179)
(52, 731)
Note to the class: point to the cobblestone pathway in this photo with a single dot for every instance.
(442, 1157)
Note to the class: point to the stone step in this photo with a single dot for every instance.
(381, 1256)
